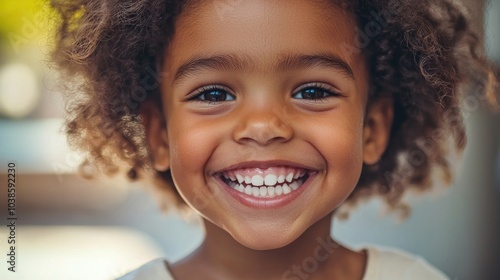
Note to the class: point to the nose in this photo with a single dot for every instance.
(263, 127)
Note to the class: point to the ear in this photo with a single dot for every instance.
(377, 129)
(156, 135)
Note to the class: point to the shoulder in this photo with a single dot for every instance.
(154, 270)
(389, 263)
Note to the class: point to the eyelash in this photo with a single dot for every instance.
(330, 91)
(207, 89)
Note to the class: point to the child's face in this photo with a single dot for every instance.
(270, 90)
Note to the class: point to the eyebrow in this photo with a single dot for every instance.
(327, 60)
(231, 62)
(223, 62)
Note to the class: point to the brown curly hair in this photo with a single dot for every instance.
(421, 53)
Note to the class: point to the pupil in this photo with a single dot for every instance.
(312, 94)
(216, 95)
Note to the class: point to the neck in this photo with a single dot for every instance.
(307, 257)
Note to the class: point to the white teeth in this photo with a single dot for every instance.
(281, 179)
(279, 190)
(271, 180)
(263, 191)
(267, 191)
(294, 185)
(257, 180)
(255, 191)
(240, 178)
(286, 189)
(270, 191)
(267, 186)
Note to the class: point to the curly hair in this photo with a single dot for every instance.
(421, 53)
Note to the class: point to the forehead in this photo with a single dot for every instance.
(261, 31)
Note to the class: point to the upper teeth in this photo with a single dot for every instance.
(268, 180)
(262, 178)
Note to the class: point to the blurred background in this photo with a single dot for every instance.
(71, 228)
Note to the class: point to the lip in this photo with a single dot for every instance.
(261, 202)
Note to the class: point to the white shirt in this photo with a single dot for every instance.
(393, 264)
(382, 264)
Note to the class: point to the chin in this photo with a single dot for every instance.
(264, 238)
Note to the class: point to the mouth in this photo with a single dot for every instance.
(272, 182)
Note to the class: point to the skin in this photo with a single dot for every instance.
(263, 114)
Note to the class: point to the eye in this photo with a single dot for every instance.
(315, 91)
(212, 94)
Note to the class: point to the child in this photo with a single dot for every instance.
(265, 116)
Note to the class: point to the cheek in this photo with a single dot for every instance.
(340, 142)
(189, 148)
(191, 145)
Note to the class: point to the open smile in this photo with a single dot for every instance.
(272, 186)
(268, 183)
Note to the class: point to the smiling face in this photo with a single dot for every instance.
(264, 126)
